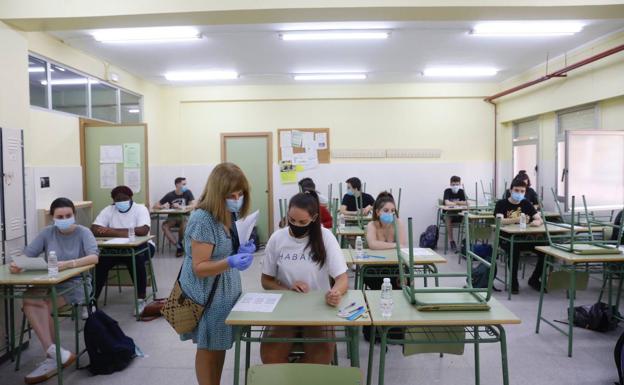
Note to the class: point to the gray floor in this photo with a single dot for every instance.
(533, 359)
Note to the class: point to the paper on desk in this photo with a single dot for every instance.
(117, 241)
(28, 263)
(417, 251)
(257, 302)
(245, 226)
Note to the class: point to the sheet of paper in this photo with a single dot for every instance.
(287, 153)
(321, 140)
(307, 139)
(132, 155)
(28, 263)
(418, 251)
(132, 179)
(297, 139)
(258, 302)
(108, 175)
(117, 241)
(111, 154)
(285, 139)
(244, 226)
(308, 160)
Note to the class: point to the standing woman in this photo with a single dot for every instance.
(380, 231)
(213, 254)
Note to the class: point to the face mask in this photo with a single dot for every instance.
(299, 231)
(350, 192)
(64, 224)
(455, 189)
(234, 205)
(517, 196)
(386, 218)
(123, 206)
(184, 189)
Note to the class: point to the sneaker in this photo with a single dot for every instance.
(141, 306)
(43, 372)
(179, 252)
(66, 355)
(536, 284)
(453, 246)
(85, 313)
(515, 288)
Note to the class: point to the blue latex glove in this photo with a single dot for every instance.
(240, 261)
(247, 248)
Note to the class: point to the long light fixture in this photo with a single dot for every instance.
(455, 72)
(527, 28)
(201, 75)
(70, 81)
(134, 111)
(36, 69)
(334, 35)
(345, 76)
(149, 34)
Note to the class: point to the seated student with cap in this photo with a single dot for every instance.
(380, 231)
(510, 210)
(354, 192)
(303, 257)
(530, 195)
(114, 221)
(307, 184)
(75, 246)
(454, 196)
(178, 198)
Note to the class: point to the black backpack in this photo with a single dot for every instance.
(110, 350)
(429, 239)
(481, 273)
(618, 354)
(598, 317)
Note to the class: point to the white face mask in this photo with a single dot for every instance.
(455, 189)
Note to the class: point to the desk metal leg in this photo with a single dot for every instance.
(134, 281)
(510, 261)
(503, 344)
(354, 347)
(247, 358)
(382, 354)
(476, 356)
(371, 353)
(12, 322)
(542, 288)
(571, 311)
(57, 335)
(237, 343)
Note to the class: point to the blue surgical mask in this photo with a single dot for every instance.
(234, 205)
(350, 192)
(184, 189)
(386, 218)
(123, 206)
(518, 197)
(64, 224)
(455, 189)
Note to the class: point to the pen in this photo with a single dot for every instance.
(346, 307)
(376, 256)
(356, 315)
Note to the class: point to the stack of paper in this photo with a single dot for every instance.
(257, 302)
(417, 251)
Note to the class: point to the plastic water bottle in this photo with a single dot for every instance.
(131, 237)
(359, 247)
(341, 222)
(52, 264)
(522, 221)
(386, 302)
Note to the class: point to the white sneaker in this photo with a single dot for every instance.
(66, 355)
(141, 306)
(85, 313)
(44, 371)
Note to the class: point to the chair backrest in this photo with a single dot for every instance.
(303, 374)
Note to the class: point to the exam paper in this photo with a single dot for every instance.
(245, 226)
(28, 263)
(417, 251)
(257, 302)
(117, 241)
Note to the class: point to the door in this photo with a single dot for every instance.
(13, 184)
(252, 153)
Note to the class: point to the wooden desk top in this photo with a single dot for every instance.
(350, 231)
(455, 208)
(406, 314)
(38, 277)
(180, 211)
(354, 218)
(297, 309)
(572, 258)
(77, 204)
(390, 258)
(101, 242)
(552, 228)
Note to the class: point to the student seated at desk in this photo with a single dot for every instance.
(510, 210)
(454, 196)
(178, 198)
(354, 191)
(530, 195)
(75, 246)
(618, 222)
(303, 257)
(307, 184)
(380, 231)
(114, 221)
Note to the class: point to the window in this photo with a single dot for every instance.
(131, 111)
(525, 140)
(69, 91)
(38, 78)
(103, 102)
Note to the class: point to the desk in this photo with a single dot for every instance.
(480, 327)
(349, 231)
(12, 283)
(296, 309)
(364, 265)
(130, 249)
(182, 212)
(608, 264)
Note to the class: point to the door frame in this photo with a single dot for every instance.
(269, 136)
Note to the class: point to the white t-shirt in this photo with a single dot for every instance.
(137, 216)
(286, 260)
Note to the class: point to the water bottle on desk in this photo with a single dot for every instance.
(523, 221)
(386, 303)
(341, 222)
(52, 264)
(359, 247)
(131, 236)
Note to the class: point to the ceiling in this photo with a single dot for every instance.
(260, 57)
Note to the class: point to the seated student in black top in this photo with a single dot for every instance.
(510, 210)
(178, 198)
(530, 195)
(354, 191)
(454, 196)
(618, 222)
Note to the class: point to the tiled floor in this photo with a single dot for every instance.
(533, 359)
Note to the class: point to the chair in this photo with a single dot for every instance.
(303, 374)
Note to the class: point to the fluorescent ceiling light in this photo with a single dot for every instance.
(134, 111)
(36, 69)
(71, 81)
(460, 71)
(335, 35)
(527, 28)
(305, 77)
(201, 75)
(151, 34)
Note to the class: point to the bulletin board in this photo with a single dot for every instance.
(323, 151)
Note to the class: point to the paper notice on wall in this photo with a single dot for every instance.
(308, 160)
(307, 139)
(111, 154)
(287, 153)
(132, 179)
(132, 155)
(297, 139)
(321, 140)
(285, 139)
(108, 175)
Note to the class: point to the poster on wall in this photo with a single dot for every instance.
(288, 172)
(111, 154)
(132, 179)
(108, 175)
(321, 140)
(132, 155)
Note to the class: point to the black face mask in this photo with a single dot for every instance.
(299, 231)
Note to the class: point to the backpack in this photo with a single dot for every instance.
(481, 273)
(618, 354)
(598, 317)
(429, 239)
(109, 349)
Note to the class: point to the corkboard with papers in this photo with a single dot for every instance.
(301, 144)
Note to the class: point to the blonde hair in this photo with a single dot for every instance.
(224, 179)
